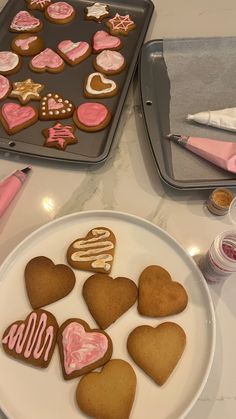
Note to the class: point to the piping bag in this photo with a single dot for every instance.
(220, 153)
(222, 118)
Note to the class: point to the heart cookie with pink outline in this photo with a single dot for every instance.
(15, 117)
(23, 21)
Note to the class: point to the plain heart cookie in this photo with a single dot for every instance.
(46, 282)
(16, 117)
(108, 394)
(81, 348)
(98, 85)
(32, 340)
(159, 296)
(107, 298)
(157, 350)
(94, 252)
(47, 60)
(54, 106)
(103, 40)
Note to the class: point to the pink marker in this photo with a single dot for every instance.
(220, 153)
(10, 186)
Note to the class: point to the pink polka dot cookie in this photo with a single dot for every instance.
(60, 12)
(92, 116)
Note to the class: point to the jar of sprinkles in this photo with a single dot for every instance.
(220, 261)
(219, 201)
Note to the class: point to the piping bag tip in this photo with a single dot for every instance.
(26, 169)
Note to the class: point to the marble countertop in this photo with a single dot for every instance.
(128, 181)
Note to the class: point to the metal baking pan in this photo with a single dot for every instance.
(91, 147)
(170, 73)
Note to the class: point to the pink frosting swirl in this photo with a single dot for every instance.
(47, 58)
(8, 60)
(73, 50)
(60, 10)
(15, 114)
(92, 114)
(103, 40)
(4, 86)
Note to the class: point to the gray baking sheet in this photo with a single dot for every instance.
(91, 147)
(180, 77)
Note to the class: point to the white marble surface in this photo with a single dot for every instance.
(129, 182)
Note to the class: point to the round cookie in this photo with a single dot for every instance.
(74, 52)
(98, 85)
(97, 12)
(24, 21)
(10, 62)
(92, 116)
(120, 24)
(27, 44)
(38, 4)
(5, 87)
(60, 12)
(47, 60)
(103, 40)
(109, 62)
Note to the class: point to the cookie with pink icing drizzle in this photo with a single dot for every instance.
(10, 62)
(27, 44)
(59, 136)
(25, 22)
(15, 117)
(54, 106)
(5, 87)
(47, 60)
(121, 24)
(92, 116)
(74, 52)
(109, 62)
(103, 40)
(60, 12)
(81, 348)
(32, 340)
(38, 4)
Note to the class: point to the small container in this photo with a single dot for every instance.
(219, 201)
(220, 261)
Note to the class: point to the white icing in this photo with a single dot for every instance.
(110, 88)
(97, 10)
(110, 60)
(8, 60)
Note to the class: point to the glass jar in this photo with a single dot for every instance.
(220, 260)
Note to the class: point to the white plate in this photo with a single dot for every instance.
(27, 392)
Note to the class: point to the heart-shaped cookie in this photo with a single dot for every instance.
(46, 282)
(25, 22)
(47, 60)
(103, 40)
(15, 117)
(159, 296)
(94, 252)
(82, 349)
(54, 106)
(157, 350)
(108, 394)
(97, 85)
(32, 340)
(107, 298)
(74, 52)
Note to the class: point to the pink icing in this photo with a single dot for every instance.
(47, 58)
(103, 40)
(52, 104)
(24, 21)
(58, 133)
(119, 22)
(82, 348)
(8, 60)
(15, 114)
(110, 60)
(4, 86)
(91, 114)
(60, 10)
(73, 50)
(24, 43)
(30, 337)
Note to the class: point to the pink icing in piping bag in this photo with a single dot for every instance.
(220, 153)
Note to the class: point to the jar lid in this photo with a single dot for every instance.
(220, 201)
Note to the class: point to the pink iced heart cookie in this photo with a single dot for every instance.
(47, 60)
(103, 40)
(74, 52)
(5, 87)
(92, 116)
(82, 349)
(15, 117)
(54, 106)
(25, 22)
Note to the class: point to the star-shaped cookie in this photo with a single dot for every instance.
(59, 136)
(97, 12)
(26, 90)
(121, 24)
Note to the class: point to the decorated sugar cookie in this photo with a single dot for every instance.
(5, 87)
(60, 12)
(15, 117)
(97, 12)
(103, 40)
(92, 116)
(26, 90)
(25, 22)
(98, 85)
(27, 44)
(38, 4)
(109, 62)
(120, 24)
(54, 106)
(74, 52)
(59, 136)
(10, 62)
(47, 60)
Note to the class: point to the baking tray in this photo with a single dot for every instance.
(91, 147)
(177, 166)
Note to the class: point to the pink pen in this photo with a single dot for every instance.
(10, 186)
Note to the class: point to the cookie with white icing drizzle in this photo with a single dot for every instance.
(94, 252)
(97, 12)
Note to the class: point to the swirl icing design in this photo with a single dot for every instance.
(4, 86)
(73, 50)
(103, 40)
(81, 348)
(31, 339)
(60, 10)
(24, 43)
(8, 60)
(110, 60)
(97, 10)
(94, 249)
(24, 21)
(15, 114)
(47, 58)
(110, 84)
